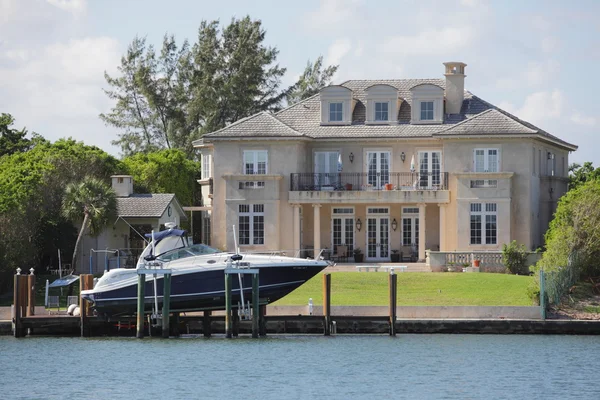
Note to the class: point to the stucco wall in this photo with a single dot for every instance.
(522, 210)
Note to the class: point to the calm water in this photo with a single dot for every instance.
(302, 367)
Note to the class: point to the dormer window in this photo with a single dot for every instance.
(382, 105)
(335, 112)
(427, 104)
(427, 111)
(337, 105)
(382, 111)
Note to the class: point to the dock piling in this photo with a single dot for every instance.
(255, 305)
(17, 299)
(327, 303)
(140, 306)
(166, 306)
(262, 323)
(393, 284)
(206, 324)
(228, 321)
(31, 293)
(86, 282)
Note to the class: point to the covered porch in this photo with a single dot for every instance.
(383, 233)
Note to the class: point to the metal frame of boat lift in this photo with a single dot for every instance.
(167, 273)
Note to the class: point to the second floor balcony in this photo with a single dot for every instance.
(359, 181)
(350, 187)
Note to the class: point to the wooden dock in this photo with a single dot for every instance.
(26, 323)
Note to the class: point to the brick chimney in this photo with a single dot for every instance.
(455, 86)
(122, 185)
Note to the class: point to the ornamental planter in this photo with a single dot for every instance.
(389, 186)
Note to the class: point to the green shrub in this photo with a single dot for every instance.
(514, 257)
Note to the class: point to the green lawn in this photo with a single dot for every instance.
(416, 289)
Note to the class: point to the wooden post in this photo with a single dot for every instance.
(235, 317)
(17, 306)
(393, 279)
(141, 297)
(176, 324)
(228, 322)
(255, 305)
(262, 323)
(542, 294)
(23, 283)
(86, 282)
(166, 305)
(31, 294)
(327, 302)
(206, 325)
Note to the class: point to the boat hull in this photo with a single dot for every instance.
(204, 289)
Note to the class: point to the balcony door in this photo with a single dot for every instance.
(327, 168)
(378, 168)
(378, 234)
(430, 169)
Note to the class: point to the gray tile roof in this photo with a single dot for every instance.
(144, 205)
(488, 122)
(303, 119)
(262, 124)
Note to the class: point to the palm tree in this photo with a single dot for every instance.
(94, 201)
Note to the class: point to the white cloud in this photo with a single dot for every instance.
(60, 87)
(539, 106)
(550, 44)
(431, 42)
(539, 22)
(332, 14)
(75, 7)
(470, 3)
(581, 119)
(539, 73)
(337, 51)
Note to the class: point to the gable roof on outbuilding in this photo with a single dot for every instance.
(149, 205)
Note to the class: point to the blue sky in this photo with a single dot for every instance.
(537, 59)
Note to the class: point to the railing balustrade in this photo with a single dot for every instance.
(363, 181)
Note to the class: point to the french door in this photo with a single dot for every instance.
(410, 231)
(378, 233)
(430, 169)
(378, 168)
(342, 229)
(327, 165)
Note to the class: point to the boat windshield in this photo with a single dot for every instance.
(192, 251)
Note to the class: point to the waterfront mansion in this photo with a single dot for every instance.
(386, 166)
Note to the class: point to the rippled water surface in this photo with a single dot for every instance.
(302, 367)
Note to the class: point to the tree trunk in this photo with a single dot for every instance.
(83, 225)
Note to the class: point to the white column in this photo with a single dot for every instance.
(442, 227)
(317, 228)
(422, 231)
(296, 227)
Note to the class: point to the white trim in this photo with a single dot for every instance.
(483, 213)
(251, 214)
(486, 159)
(206, 166)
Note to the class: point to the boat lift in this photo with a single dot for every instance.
(107, 251)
